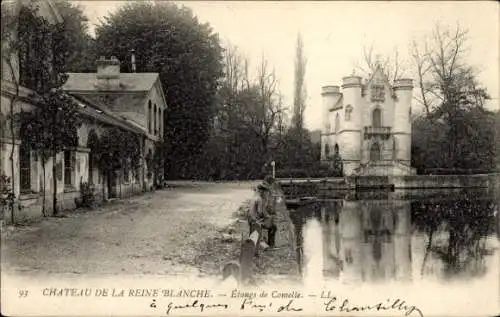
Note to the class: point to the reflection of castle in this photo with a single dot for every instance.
(368, 240)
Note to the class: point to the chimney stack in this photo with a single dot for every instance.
(108, 73)
(132, 51)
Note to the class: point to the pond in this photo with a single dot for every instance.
(383, 236)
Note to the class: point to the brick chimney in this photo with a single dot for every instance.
(108, 73)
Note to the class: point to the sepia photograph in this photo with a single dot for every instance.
(250, 158)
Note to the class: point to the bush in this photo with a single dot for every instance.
(7, 197)
(87, 197)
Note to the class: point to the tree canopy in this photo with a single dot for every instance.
(80, 48)
(170, 40)
(454, 105)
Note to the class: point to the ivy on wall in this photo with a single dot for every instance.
(115, 148)
(41, 48)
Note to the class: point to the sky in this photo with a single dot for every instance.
(335, 33)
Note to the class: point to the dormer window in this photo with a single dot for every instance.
(378, 93)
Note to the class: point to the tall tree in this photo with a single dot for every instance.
(170, 40)
(450, 92)
(249, 117)
(80, 50)
(10, 72)
(393, 66)
(299, 97)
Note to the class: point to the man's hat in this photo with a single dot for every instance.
(264, 186)
(269, 179)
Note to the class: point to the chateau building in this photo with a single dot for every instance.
(369, 124)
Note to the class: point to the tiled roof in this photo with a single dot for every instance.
(116, 101)
(129, 82)
(93, 110)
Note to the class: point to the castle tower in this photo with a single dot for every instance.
(379, 264)
(402, 242)
(349, 132)
(403, 89)
(351, 242)
(331, 238)
(331, 96)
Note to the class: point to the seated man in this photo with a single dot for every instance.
(262, 213)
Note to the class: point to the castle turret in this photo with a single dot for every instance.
(403, 90)
(402, 242)
(351, 237)
(349, 139)
(331, 96)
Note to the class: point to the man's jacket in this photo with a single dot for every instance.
(261, 211)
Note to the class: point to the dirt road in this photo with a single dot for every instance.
(164, 232)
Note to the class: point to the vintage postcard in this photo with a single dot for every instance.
(250, 158)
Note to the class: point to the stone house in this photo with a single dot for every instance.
(107, 99)
(136, 100)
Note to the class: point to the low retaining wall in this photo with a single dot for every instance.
(29, 207)
(398, 182)
(445, 181)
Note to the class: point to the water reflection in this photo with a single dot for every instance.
(382, 236)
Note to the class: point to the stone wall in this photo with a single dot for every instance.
(401, 182)
(29, 206)
(445, 181)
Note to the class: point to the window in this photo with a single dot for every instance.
(160, 122)
(348, 111)
(337, 123)
(394, 149)
(378, 92)
(25, 168)
(126, 171)
(149, 116)
(327, 150)
(375, 152)
(155, 119)
(91, 168)
(137, 174)
(336, 149)
(68, 169)
(377, 118)
(92, 144)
